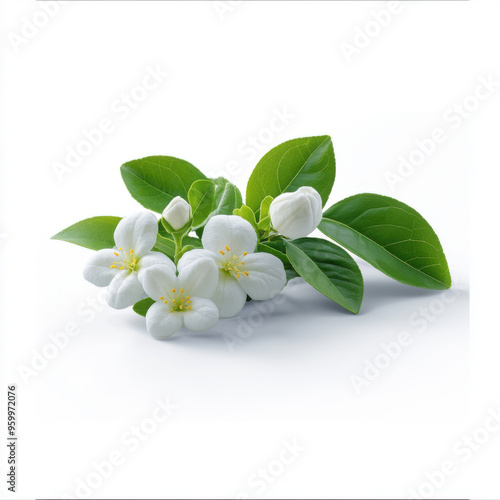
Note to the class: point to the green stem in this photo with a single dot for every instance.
(178, 246)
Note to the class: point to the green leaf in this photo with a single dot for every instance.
(264, 224)
(309, 161)
(201, 197)
(142, 306)
(165, 245)
(264, 207)
(192, 241)
(95, 233)
(391, 236)
(227, 197)
(274, 250)
(329, 269)
(247, 213)
(278, 249)
(155, 180)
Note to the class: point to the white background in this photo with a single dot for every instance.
(231, 68)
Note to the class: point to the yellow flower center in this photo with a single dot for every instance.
(233, 265)
(177, 301)
(125, 260)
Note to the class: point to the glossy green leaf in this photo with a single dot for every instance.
(201, 197)
(227, 197)
(391, 236)
(95, 233)
(329, 269)
(165, 245)
(247, 213)
(155, 180)
(264, 207)
(309, 161)
(278, 249)
(142, 306)
(264, 224)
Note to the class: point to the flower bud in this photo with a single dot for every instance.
(295, 215)
(177, 213)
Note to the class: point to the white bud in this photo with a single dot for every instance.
(177, 213)
(295, 215)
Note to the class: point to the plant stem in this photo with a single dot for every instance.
(178, 246)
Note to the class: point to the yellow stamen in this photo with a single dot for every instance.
(245, 253)
(237, 275)
(245, 273)
(135, 261)
(187, 297)
(235, 256)
(131, 251)
(221, 252)
(161, 298)
(227, 248)
(189, 307)
(242, 263)
(116, 253)
(180, 307)
(173, 290)
(182, 290)
(173, 300)
(120, 249)
(113, 266)
(121, 268)
(188, 302)
(165, 301)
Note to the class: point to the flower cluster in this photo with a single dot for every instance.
(209, 252)
(206, 283)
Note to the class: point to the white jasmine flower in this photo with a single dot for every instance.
(230, 242)
(119, 268)
(177, 213)
(297, 214)
(183, 299)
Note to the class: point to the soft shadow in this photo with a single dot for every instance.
(381, 291)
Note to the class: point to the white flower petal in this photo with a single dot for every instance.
(199, 279)
(203, 315)
(154, 259)
(137, 232)
(158, 281)
(124, 290)
(231, 230)
(98, 270)
(177, 213)
(266, 276)
(296, 214)
(161, 323)
(316, 203)
(229, 297)
(194, 255)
